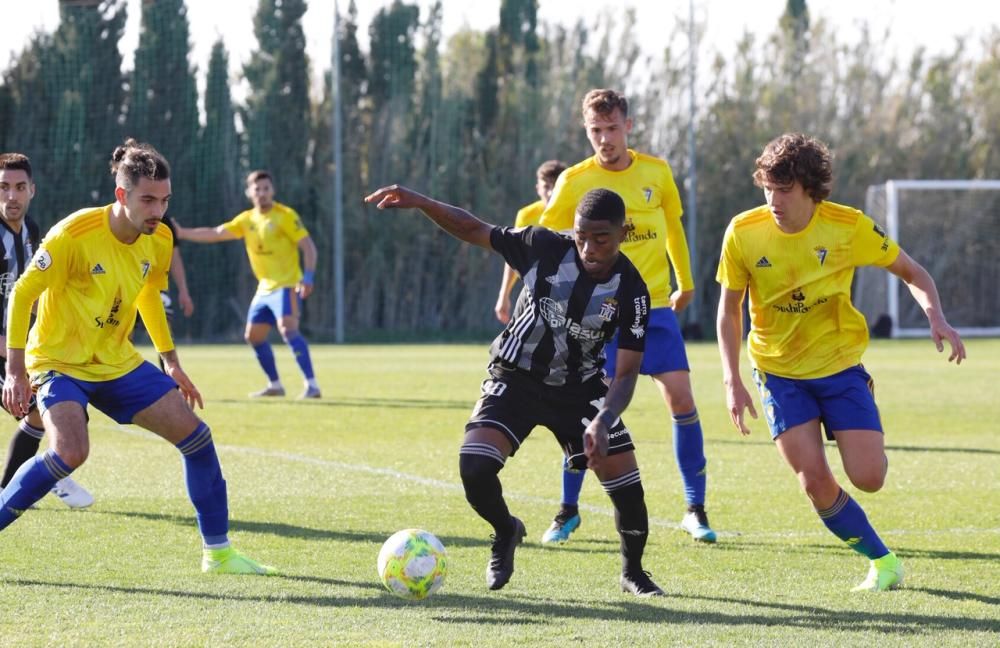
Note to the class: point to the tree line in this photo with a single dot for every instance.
(466, 119)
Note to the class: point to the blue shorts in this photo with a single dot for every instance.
(121, 398)
(843, 401)
(268, 308)
(664, 346)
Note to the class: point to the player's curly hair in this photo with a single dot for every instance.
(604, 101)
(133, 160)
(15, 162)
(794, 157)
(602, 204)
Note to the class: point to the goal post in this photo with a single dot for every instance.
(952, 228)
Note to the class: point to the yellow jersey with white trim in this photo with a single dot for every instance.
(89, 286)
(529, 214)
(803, 324)
(272, 240)
(652, 215)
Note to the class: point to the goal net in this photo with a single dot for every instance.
(952, 228)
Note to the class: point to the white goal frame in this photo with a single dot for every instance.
(892, 188)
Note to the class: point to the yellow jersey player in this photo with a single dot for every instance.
(545, 179)
(796, 256)
(653, 210)
(274, 235)
(93, 271)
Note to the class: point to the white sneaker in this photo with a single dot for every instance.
(72, 494)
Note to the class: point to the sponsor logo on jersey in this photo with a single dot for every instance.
(820, 253)
(763, 263)
(553, 313)
(798, 305)
(97, 269)
(43, 260)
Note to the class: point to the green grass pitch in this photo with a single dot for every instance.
(316, 487)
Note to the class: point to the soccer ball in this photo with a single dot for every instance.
(412, 564)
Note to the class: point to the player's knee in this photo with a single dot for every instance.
(476, 464)
(868, 481)
(73, 456)
(818, 483)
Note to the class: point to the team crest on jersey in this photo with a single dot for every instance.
(608, 309)
(42, 260)
(648, 193)
(145, 267)
(820, 253)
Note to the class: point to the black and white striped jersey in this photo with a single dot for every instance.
(17, 250)
(563, 317)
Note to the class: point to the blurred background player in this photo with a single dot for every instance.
(274, 236)
(19, 237)
(546, 367)
(653, 210)
(94, 269)
(796, 255)
(545, 179)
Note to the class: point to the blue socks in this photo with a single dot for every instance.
(265, 356)
(300, 348)
(205, 485)
(689, 449)
(847, 520)
(30, 483)
(572, 484)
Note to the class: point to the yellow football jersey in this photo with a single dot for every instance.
(89, 286)
(652, 212)
(529, 214)
(272, 244)
(803, 324)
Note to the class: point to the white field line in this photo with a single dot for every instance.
(453, 487)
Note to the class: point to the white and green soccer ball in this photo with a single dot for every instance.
(412, 564)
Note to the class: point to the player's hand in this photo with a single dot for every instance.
(395, 197)
(188, 390)
(303, 289)
(737, 400)
(595, 442)
(16, 394)
(679, 299)
(502, 309)
(941, 331)
(187, 304)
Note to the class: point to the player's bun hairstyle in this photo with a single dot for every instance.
(549, 170)
(603, 102)
(133, 160)
(602, 204)
(15, 162)
(259, 174)
(794, 157)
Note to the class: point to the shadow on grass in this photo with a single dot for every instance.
(512, 608)
(811, 549)
(381, 403)
(957, 596)
(293, 530)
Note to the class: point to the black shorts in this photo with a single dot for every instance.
(32, 404)
(514, 403)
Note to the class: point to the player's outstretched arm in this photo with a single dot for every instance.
(729, 328)
(924, 291)
(204, 234)
(454, 220)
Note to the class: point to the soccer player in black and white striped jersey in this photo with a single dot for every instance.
(19, 237)
(546, 366)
